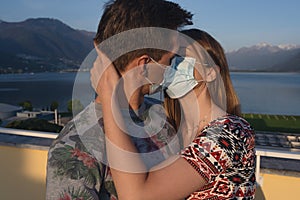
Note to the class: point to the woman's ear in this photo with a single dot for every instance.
(96, 47)
(211, 73)
(99, 52)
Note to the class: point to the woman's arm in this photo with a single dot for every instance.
(174, 181)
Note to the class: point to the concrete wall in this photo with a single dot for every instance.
(277, 187)
(23, 172)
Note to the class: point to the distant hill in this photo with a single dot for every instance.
(292, 64)
(265, 57)
(42, 44)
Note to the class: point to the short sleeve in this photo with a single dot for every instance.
(206, 156)
(74, 170)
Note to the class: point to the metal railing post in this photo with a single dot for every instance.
(257, 170)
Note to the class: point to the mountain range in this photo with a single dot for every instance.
(44, 44)
(265, 57)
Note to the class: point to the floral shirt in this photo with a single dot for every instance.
(77, 166)
(223, 154)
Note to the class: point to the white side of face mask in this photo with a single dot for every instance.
(180, 80)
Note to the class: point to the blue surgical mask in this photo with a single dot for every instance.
(155, 87)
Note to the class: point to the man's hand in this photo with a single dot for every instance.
(104, 76)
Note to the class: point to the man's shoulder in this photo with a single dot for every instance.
(87, 119)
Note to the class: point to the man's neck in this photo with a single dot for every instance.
(136, 100)
(134, 103)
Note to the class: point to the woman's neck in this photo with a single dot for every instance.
(199, 110)
(209, 111)
(206, 111)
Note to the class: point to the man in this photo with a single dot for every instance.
(76, 160)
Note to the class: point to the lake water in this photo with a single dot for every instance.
(270, 93)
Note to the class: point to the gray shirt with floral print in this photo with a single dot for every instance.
(77, 166)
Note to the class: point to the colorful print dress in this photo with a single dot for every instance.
(224, 155)
(76, 168)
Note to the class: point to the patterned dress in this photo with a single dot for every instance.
(223, 154)
(77, 166)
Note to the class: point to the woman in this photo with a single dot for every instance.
(219, 161)
(216, 52)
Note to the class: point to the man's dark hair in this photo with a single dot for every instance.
(123, 15)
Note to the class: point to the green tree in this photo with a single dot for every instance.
(74, 106)
(27, 105)
(54, 105)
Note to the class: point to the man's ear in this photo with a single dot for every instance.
(142, 60)
(211, 73)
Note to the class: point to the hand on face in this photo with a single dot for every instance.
(104, 76)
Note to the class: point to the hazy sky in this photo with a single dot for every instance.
(235, 23)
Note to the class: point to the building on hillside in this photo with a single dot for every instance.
(48, 115)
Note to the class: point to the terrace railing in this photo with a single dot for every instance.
(276, 153)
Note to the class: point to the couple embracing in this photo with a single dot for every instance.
(193, 145)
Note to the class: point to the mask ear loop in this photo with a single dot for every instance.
(160, 95)
(149, 80)
(202, 81)
(160, 65)
(212, 76)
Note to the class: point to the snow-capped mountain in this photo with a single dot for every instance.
(288, 46)
(265, 57)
